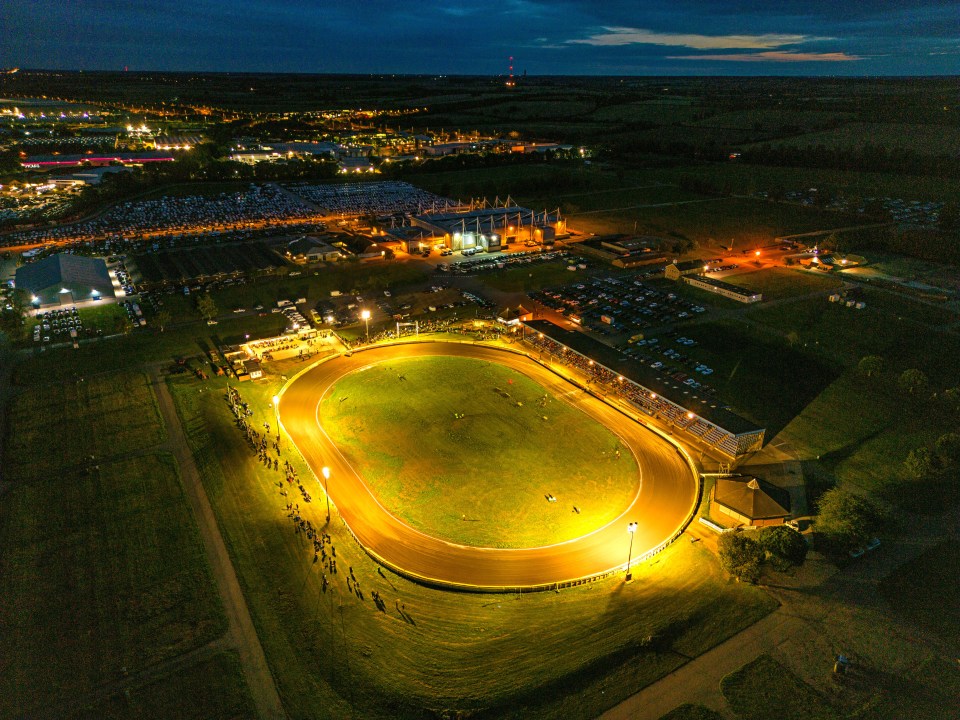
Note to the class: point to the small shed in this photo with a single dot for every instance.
(254, 369)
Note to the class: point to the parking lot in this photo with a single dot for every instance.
(257, 207)
(499, 261)
(617, 306)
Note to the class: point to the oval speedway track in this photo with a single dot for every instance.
(667, 494)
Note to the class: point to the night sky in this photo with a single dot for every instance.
(593, 37)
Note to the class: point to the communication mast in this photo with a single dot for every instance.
(510, 80)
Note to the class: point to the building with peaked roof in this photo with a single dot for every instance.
(64, 279)
(513, 316)
(750, 501)
(309, 249)
(677, 270)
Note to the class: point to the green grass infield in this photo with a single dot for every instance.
(473, 452)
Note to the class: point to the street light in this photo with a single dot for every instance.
(632, 529)
(365, 314)
(326, 476)
(276, 414)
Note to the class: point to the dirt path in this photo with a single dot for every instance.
(241, 632)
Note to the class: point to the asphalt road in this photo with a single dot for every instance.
(668, 487)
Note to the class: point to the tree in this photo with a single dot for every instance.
(948, 448)
(206, 307)
(785, 545)
(12, 320)
(848, 520)
(741, 556)
(871, 365)
(162, 319)
(913, 381)
(919, 463)
(952, 396)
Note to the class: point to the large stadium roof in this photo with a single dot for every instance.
(642, 375)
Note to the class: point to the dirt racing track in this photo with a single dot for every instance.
(669, 488)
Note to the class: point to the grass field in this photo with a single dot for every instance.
(528, 278)
(210, 689)
(745, 179)
(743, 221)
(545, 655)
(776, 282)
(787, 378)
(88, 583)
(935, 573)
(481, 479)
(897, 137)
(107, 414)
(692, 712)
(764, 688)
(885, 327)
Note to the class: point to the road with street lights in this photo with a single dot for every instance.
(668, 486)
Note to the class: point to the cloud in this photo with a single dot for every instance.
(614, 36)
(783, 56)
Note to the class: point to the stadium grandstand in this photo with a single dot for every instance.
(701, 420)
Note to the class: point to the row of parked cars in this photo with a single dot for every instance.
(495, 262)
(57, 323)
(123, 277)
(610, 305)
(670, 362)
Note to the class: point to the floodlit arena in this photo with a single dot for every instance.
(661, 500)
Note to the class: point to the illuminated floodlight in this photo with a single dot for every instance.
(326, 476)
(365, 314)
(632, 530)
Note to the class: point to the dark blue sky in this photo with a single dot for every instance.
(616, 37)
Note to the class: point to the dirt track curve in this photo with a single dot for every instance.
(668, 489)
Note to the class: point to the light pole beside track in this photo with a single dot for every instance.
(632, 529)
(365, 314)
(326, 476)
(276, 414)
